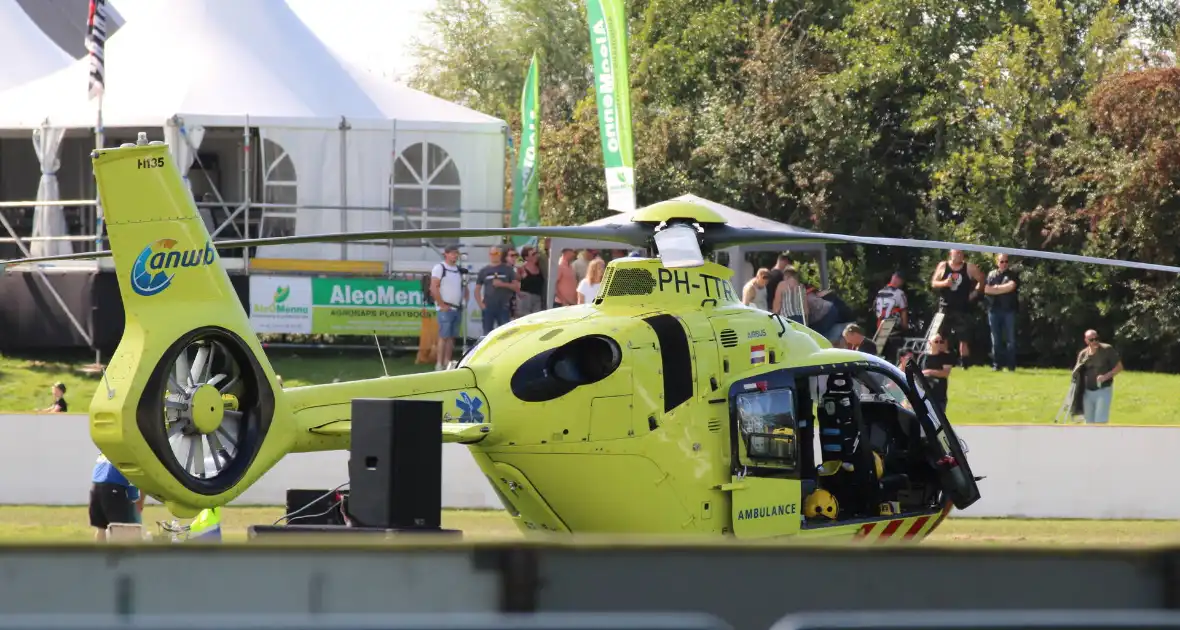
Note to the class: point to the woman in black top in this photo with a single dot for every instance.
(532, 283)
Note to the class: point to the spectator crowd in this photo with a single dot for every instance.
(510, 285)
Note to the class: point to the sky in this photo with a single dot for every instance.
(375, 34)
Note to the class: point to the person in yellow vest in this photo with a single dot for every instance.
(206, 527)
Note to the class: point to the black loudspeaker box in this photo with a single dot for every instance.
(395, 464)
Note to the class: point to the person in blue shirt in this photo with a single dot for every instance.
(113, 499)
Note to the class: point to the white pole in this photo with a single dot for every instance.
(98, 219)
(98, 142)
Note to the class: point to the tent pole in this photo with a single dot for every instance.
(98, 141)
(98, 223)
(344, 185)
(246, 158)
(389, 253)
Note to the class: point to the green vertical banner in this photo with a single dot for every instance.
(608, 43)
(526, 200)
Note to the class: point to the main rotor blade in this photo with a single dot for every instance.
(727, 236)
(633, 234)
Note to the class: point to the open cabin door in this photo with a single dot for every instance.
(766, 490)
(948, 450)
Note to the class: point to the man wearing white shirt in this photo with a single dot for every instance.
(446, 287)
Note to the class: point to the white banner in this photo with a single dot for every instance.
(280, 304)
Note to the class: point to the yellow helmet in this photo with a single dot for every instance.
(880, 464)
(821, 503)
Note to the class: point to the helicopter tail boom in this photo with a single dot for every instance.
(322, 414)
(452, 432)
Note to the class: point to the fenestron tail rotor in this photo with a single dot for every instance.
(204, 432)
(206, 410)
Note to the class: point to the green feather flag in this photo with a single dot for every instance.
(608, 43)
(526, 199)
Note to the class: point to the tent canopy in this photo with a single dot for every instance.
(214, 62)
(28, 53)
(66, 21)
(733, 217)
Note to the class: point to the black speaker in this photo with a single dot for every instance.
(395, 464)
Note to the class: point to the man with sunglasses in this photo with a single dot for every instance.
(936, 367)
(1002, 290)
(1098, 364)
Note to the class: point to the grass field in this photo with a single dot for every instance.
(68, 524)
(977, 395)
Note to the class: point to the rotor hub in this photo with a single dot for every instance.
(205, 408)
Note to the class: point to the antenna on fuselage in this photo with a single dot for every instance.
(380, 354)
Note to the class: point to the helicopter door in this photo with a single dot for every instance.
(943, 446)
(766, 493)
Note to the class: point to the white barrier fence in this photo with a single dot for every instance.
(55, 456)
(1050, 471)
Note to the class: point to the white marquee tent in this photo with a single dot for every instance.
(737, 255)
(329, 131)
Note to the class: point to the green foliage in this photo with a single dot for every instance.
(1028, 123)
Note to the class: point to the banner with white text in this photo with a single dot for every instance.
(612, 84)
(294, 305)
(362, 306)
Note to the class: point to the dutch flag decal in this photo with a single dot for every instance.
(757, 354)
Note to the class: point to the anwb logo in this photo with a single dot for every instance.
(150, 273)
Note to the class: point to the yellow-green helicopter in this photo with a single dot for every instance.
(665, 406)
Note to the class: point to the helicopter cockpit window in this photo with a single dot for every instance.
(869, 385)
(766, 421)
(876, 386)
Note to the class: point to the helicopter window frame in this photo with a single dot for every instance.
(882, 386)
(884, 376)
(762, 457)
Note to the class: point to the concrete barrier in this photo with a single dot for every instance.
(1074, 471)
(1042, 471)
(747, 587)
(55, 453)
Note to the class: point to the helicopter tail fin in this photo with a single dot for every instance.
(185, 406)
(162, 251)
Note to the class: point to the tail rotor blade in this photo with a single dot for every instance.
(199, 365)
(183, 371)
